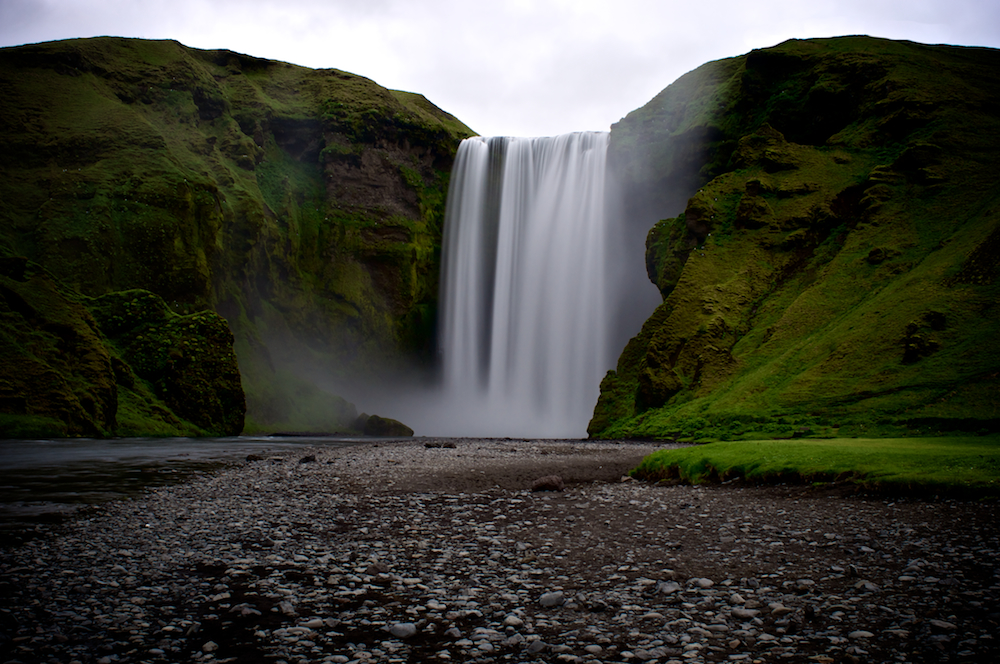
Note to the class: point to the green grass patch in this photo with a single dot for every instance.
(14, 425)
(954, 466)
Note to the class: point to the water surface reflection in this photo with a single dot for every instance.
(47, 479)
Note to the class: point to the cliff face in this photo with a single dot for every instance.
(304, 206)
(830, 259)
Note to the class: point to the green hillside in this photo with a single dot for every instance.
(834, 268)
(303, 206)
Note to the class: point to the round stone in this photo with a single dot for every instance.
(552, 599)
(403, 630)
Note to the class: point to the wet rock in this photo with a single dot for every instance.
(357, 551)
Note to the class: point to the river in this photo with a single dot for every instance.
(46, 480)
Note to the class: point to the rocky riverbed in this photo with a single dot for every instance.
(437, 551)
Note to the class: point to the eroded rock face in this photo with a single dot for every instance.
(803, 273)
(57, 375)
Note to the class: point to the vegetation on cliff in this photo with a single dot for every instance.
(121, 364)
(304, 206)
(834, 268)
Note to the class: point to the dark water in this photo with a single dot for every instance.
(45, 480)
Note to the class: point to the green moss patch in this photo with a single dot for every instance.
(952, 466)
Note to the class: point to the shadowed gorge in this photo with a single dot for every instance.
(825, 218)
(304, 206)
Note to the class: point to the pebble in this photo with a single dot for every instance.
(329, 561)
(403, 630)
(552, 599)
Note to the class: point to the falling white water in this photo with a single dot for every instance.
(524, 302)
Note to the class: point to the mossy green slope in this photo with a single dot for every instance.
(304, 206)
(122, 364)
(835, 265)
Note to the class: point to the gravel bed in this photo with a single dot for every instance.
(438, 551)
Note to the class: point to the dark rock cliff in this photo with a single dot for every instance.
(826, 245)
(303, 206)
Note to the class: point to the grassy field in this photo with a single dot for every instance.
(952, 466)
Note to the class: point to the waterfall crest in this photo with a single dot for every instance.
(523, 327)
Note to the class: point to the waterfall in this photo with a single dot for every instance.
(524, 308)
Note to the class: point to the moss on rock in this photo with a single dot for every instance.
(385, 427)
(819, 277)
(304, 206)
(121, 364)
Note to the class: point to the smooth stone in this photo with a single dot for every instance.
(403, 630)
(744, 614)
(860, 634)
(512, 621)
(549, 600)
(943, 625)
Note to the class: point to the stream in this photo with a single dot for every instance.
(47, 480)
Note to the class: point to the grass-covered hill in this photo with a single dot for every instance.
(835, 266)
(303, 206)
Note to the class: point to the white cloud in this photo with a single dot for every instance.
(519, 67)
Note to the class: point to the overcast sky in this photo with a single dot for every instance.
(515, 67)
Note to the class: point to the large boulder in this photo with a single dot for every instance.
(386, 427)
